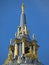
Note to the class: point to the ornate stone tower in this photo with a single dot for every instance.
(22, 49)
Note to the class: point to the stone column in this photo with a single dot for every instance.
(16, 50)
(30, 49)
(33, 49)
(23, 47)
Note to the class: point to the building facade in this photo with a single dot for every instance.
(23, 50)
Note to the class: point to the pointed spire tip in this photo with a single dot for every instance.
(22, 7)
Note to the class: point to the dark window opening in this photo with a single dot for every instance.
(26, 49)
(20, 28)
(32, 47)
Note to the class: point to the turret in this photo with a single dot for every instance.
(11, 51)
(35, 47)
(22, 29)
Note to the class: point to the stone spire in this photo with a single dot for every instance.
(22, 17)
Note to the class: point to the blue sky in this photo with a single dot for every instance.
(37, 17)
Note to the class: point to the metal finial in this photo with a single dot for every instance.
(33, 36)
(15, 34)
(10, 41)
(22, 8)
